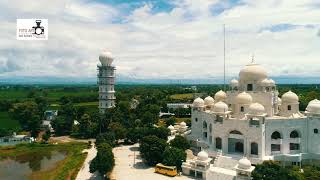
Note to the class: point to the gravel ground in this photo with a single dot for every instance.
(129, 166)
(84, 173)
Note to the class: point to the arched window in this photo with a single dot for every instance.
(242, 109)
(289, 107)
(235, 132)
(254, 148)
(210, 128)
(276, 135)
(249, 87)
(196, 119)
(204, 124)
(218, 143)
(294, 134)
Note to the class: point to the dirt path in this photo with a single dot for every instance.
(84, 173)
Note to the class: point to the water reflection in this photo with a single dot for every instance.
(21, 167)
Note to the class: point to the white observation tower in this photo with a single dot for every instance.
(106, 81)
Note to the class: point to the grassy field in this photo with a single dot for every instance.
(53, 94)
(13, 94)
(7, 122)
(182, 96)
(65, 169)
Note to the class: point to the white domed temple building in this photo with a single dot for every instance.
(251, 120)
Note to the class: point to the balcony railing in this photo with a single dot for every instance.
(276, 141)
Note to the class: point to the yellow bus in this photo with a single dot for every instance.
(166, 170)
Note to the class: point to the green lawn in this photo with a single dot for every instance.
(7, 122)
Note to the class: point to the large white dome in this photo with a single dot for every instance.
(279, 101)
(220, 107)
(256, 109)
(220, 96)
(244, 98)
(253, 72)
(244, 163)
(198, 102)
(208, 101)
(290, 97)
(106, 58)
(202, 156)
(313, 107)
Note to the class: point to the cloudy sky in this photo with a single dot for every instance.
(163, 39)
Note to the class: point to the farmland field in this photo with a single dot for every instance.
(7, 122)
(182, 96)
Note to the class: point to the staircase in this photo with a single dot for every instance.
(223, 167)
(226, 162)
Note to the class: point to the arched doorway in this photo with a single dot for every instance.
(239, 147)
(235, 142)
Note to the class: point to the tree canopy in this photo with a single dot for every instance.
(152, 148)
(104, 161)
(180, 142)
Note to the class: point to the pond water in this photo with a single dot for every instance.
(21, 167)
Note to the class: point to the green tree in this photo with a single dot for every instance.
(270, 170)
(85, 126)
(174, 157)
(104, 160)
(151, 149)
(46, 136)
(170, 121)
(64, 122)
(27, 114)
(118, 129)
(311, 172)
(107, 137)
(180, 142)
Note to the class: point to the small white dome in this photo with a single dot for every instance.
(220, 96)
(256, 109)
(253, 72)
(171, 127)
(244, 163)
(183, 124)
(264, 82)
(198, 102)
(290, 97)
(279, 101)
(313, 107)
(208, 101)
(220, 107)
(234, 83)
(244, 98)
(106, 58)
(272, 82)
(202, 155)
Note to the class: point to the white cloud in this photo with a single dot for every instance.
(185, 42)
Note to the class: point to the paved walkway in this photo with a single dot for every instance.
(84, 173)
(129, 165)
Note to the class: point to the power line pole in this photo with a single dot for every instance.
(224, 57)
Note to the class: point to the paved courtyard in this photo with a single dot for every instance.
(129, 165)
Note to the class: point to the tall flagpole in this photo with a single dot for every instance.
(224, 57)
